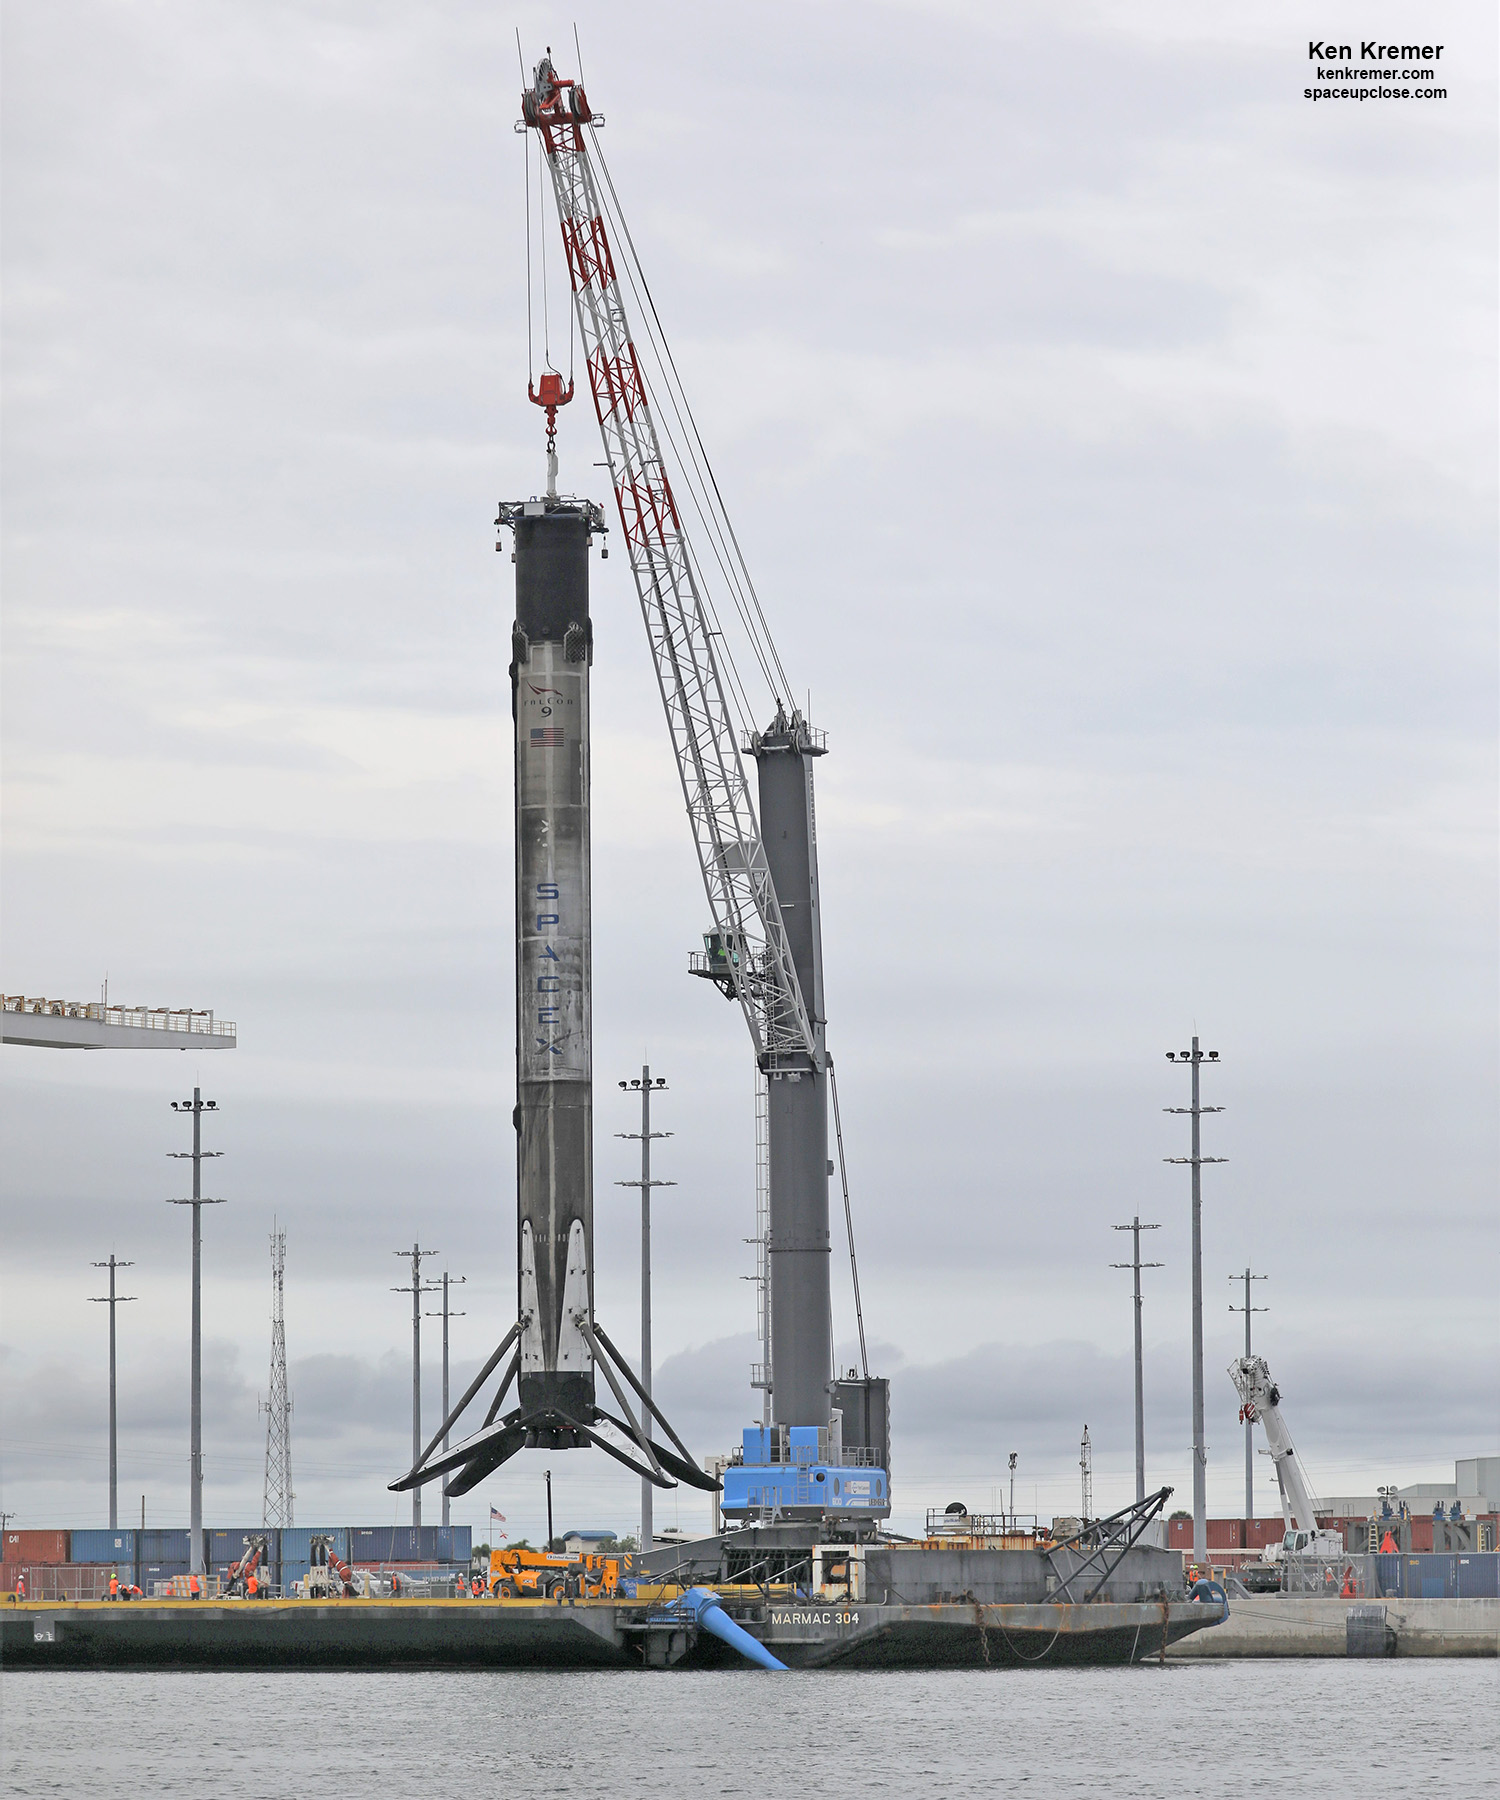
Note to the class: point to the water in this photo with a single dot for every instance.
(1274, 1730)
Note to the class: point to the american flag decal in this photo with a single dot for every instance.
(546, 737)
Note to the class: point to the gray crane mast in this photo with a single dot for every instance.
(799, 1245)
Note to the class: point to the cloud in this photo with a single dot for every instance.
(1122, 498)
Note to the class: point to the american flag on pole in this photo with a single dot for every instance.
(546, 737)
(496, 1518)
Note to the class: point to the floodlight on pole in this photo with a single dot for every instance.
(1196, 1058)
(197, 1106)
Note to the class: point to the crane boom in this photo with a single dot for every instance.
(1262, 1400)
(726, 833)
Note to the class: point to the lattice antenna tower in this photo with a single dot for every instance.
(276, 1504)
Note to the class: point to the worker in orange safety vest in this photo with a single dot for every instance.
(114, 1586)
(252, 1586)
(194, 1590)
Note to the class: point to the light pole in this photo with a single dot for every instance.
(416, 1290)
(1012, 1460)
(1196, 1058)
(112, 1300)
(1135, 1227)
(645, 1086)
(197, 1106)
(1247, 1309)
(445, 1315)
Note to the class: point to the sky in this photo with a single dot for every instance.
(1111, 433)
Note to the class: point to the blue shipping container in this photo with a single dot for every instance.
(161, 1571)
(1429, 1576)
(1388, 1577)
(1479, 1576)
(296, 1541)
(163, 1546)
(103, 1546)
(386, 1543)
(229, 1546)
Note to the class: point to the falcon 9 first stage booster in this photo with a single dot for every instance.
(552, 648)
(556, 1345)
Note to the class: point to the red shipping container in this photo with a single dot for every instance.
(8, 1574)
(1421, 1534)
(1226, 1534)
(35, 1547)
(1180, 1534)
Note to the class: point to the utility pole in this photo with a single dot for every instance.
(644, 1084)
(416, 1290)
(277, 1495)
(1086, 1468)
(1135, 1227)
(1012, 1460)
(112, 1300)
(197, 1106)
(1247, 1309)
(1196, 1058)
(445, 1315)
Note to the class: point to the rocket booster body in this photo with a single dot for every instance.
(552, 646)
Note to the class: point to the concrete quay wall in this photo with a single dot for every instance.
(1290, 1625)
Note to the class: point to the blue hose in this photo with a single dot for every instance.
(704, 1606)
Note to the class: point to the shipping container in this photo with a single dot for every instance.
(1259, 1533)
(229, 1546)
(158, 1545)
(36, 1547)
(162, 1571)
(1421, 1535)
(102, 1546)
(385, 1543)
(296, 1541)
(1226, 1534)
(1478, 1576)
(291, 1574)
(1428, 1577)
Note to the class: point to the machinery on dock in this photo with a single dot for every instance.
(1260, 1398)
(329, 1576)
(549, 1575)
(237, 1581)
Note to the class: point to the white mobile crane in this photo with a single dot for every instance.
(1261, 1399)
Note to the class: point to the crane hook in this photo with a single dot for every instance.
(551, 396)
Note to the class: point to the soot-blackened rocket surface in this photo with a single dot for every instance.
(558, 1351)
